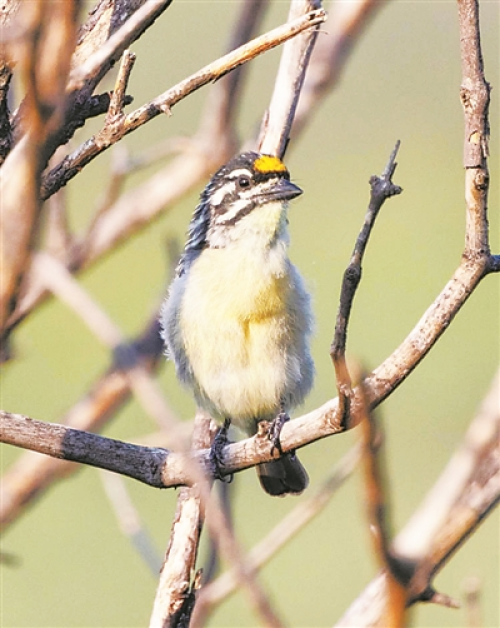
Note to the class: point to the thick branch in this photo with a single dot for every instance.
(146, 464)
(50, 34)
(135, 20)
(475, 91)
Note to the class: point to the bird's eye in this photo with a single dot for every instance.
(243, 182)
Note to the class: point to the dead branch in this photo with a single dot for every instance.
(50, 36)
(215, 592)
(72, 164)
(376, 490)
(381, 188)
(135, 19)
(277, 124)
(175, 595)
(436, 531)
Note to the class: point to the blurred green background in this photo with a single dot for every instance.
(402, 82)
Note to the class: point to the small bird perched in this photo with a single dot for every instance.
(237, 319)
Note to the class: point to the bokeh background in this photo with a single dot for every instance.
(402, 82)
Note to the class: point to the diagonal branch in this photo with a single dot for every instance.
(465, 493)
(381, 188)
(277, 124)
(93, 67)
(72, 164)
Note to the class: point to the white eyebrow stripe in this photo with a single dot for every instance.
(237, 173)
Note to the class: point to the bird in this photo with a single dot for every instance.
(237, 319)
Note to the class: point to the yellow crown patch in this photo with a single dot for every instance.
(269, 163)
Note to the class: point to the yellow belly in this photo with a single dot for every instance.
(237, 334)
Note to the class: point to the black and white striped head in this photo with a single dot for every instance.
(248, 181)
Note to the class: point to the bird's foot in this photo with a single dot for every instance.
(217, 453)
(275, 431)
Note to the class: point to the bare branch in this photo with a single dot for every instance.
(117, 102)
(136, 23)
(382, 188)
(50, 34)
(436, 531)
(226, 584)
(294, 60)
(475, 91)
(73, 163)
(146, 464)
(175, 593)
(378, 520)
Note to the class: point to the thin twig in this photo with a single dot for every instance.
(117, 102)
(72, 164)
(378, 520)
(381, 188)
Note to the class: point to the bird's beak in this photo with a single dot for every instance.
(282, 190)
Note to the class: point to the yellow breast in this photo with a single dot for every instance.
(233, 318)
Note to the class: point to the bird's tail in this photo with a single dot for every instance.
(283, 476)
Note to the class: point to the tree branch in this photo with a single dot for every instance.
(275, 131)
(50, 34)
(134, 22)
(375, 484)
(467, 490)
(381, 188)
(175, 595)
(72, 164)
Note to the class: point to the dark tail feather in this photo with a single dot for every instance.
(283, 476)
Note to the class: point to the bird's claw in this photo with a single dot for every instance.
(275, 431)
(217, 454)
